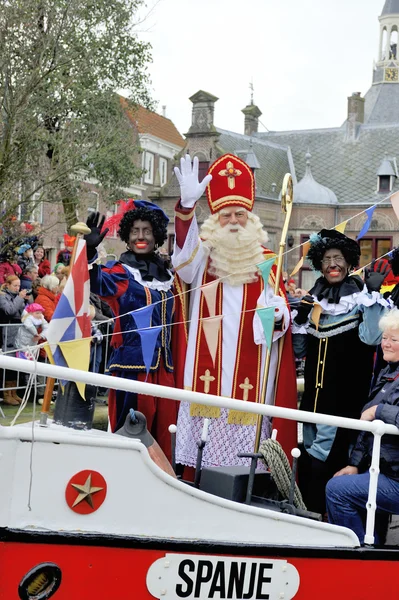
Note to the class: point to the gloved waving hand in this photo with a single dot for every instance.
(304, 307)
(191, 189)
(375, 275)
(96, 236)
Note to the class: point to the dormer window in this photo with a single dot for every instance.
(386, 175)
(384, 183)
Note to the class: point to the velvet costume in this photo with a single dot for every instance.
(338, 369)
(133, 283)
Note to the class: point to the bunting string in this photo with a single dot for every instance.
(394, 197)
(187, 322)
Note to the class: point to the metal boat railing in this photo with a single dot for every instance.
(376, 428)
(9, 330)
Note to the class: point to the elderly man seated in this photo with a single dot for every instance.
(347, 491)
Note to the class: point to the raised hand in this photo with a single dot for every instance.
(304, 307)
(191, 189)
(96, 236)
(375, 275)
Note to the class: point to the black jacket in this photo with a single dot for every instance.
(385, 394)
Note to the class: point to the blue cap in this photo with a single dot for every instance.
(23, 248)
(150, 206)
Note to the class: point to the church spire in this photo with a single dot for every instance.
(389, 26)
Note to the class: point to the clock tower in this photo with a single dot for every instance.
(381, 104)
(387, 67)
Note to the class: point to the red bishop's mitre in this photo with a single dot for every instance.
(232, 184)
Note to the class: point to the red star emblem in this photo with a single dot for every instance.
(85, 492)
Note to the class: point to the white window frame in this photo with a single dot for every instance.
(36, 215)
(91, 193)
(163, 170)
(149, 159)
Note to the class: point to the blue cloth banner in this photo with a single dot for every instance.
(266, 316)
(148, 341)
(265, 268)
(143, 316)
(369, 212)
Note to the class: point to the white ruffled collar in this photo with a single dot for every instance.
(160, 286)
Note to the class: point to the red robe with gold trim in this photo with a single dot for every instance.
(240, 356)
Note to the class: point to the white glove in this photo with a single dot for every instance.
(187, 176)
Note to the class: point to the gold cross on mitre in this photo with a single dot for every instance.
(207, 378)
(246, 386)
(231, 173)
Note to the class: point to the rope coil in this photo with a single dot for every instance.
(277, 461)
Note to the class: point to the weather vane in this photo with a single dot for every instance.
(251, 87)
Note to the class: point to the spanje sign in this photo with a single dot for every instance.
(190, 576)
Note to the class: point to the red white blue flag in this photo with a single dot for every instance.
(69, 331)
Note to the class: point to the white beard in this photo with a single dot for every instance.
(234, 254)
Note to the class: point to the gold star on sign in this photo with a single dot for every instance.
(86, 492)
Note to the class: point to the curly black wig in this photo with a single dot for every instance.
(330, 238)
(394, 261)
(158, 222)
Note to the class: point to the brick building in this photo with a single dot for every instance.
(159, 142)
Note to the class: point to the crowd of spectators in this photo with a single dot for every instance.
(29, 292)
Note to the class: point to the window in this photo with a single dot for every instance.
(171, 241)
(307, 276)
(384, 183)
(202, 170)
(92, 202)
(31, 211)
(373, 247)
(149, 167)
(163, 170)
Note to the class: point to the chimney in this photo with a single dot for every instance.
(202, 115)
(252, 114)
(164, 110)
(355, 116)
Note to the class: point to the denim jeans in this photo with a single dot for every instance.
(346, 498)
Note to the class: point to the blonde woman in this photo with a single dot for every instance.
(12, 305)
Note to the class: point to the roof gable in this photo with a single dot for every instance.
(151, 123)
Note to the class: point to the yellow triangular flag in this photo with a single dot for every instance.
(316, 312)
(299, 265)
(341, 226)
(77, 356)
(395, 203)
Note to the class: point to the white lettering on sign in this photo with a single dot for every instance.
(194, 577)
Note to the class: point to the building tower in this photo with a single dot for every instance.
(382, 99)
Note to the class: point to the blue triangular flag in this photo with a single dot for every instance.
(266, 316)
(63, 308)
(143, 316)
(69, 333)
(265, 268)
(369, 212)
(148, 341)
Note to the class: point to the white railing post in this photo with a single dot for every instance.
(374, 471)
